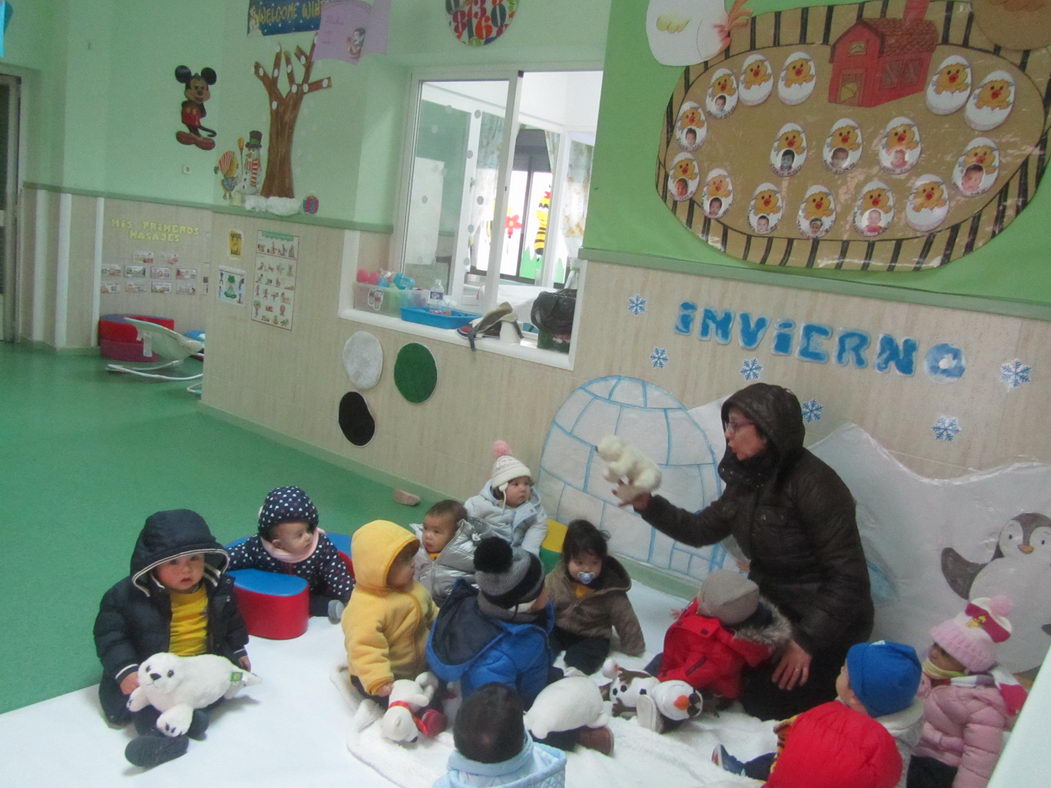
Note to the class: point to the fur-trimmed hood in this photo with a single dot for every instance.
(767, 626)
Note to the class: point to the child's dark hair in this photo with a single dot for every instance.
(448, 508)
(582, 537)
(489, 726)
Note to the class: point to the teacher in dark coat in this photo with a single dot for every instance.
(793, 518)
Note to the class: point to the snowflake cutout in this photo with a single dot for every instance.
(812, 410)
(659, 358)
(751, 369)
(1014, 373)
(636, 305)
(946, 428)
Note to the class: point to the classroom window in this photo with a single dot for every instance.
(498, 170)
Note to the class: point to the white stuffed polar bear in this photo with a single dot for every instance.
(400, 723)
(627, 466)
(567, 704)
(176, 686)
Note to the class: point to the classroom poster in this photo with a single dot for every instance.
(274, 286)
(231, 285)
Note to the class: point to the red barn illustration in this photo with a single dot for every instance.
(879, 60)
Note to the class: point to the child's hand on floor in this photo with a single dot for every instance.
(130, 683)
(245, 663)
(675, 612)
(384, 691)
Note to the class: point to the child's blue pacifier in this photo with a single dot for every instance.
(585, 577)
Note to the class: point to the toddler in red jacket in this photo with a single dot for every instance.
(726, 627)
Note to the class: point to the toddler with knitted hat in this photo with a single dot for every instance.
(508, 504)
(726, 628)
(497, 631)
(290, 542)
(968, 702)
(860, 739)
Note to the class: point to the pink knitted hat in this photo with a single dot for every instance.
(506, 467)
(971, 636)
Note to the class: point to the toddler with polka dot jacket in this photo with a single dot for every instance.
(290, 542)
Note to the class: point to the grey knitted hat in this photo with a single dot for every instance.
(728, 596)
(506, 575)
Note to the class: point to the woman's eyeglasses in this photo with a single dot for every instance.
(731, 427)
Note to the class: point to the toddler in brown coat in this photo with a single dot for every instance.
(589, 589)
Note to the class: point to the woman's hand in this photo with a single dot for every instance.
(793, 669)
(623, 492)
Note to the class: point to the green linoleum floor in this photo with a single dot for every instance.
(86, 456)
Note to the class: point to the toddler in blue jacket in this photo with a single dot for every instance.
(497, 632)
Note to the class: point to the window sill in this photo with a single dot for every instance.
(526, 350)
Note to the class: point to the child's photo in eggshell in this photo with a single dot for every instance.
(718, 194)
(949, 86)
(900, 146)
(691, 129)
(683, 177)
(927, 204)
(874, 210)
(756, 80)
(789, 150)
(842, 147)
(765, 209)
(991, 102)
(797, 79)
(721, 98)
(817, 212)
(976, 170)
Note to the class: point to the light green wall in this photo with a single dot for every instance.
(106, 105)
(625, 214)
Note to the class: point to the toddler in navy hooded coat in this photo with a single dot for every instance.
(177, 579)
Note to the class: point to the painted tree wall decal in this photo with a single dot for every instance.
(284, 110)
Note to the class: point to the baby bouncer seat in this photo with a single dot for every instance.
(171, 346)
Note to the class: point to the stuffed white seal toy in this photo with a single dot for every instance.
(176, 686)
(400, 722)
(567, 704)
(627, 466)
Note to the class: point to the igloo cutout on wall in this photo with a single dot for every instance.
(571, 482)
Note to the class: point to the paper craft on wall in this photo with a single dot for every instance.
(284, 111)
(352, 28)
(898, 142)
(682, 32)
(480, 22)
(196, 91)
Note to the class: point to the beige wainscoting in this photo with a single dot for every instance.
(67, 238)
(291, 382)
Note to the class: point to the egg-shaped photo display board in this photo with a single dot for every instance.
(895, 142)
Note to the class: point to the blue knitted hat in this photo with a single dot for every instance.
(884, 675)
(286, 505)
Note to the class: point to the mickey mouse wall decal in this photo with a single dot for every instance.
(197, 91)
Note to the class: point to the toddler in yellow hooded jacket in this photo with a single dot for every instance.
(389, 615)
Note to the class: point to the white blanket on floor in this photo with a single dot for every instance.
(678, 757)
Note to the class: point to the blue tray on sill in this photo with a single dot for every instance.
(440, 318)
